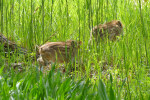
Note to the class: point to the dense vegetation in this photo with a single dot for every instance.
(113, 70)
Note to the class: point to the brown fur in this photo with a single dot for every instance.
(59, 52)
(113, 29)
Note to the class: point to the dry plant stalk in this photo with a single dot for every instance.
(36, 10)
(110, 29)
(60, 52)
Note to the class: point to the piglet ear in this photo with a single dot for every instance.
(37, 48)
(73, 44)
(37, 51)
(120, 24)
(80, 42)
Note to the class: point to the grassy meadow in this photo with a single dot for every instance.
(113, 70)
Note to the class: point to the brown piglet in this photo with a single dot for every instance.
(109, 29)
(59, 52)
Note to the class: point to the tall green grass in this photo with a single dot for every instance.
(32, 22)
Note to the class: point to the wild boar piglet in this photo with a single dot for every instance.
(110, 30)
(58, 52)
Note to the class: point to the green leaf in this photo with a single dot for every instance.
(112, 95)
(1, 70)
(111, 79)
(102, 91)
(119, 94)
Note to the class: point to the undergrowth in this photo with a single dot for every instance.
(122, 65)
